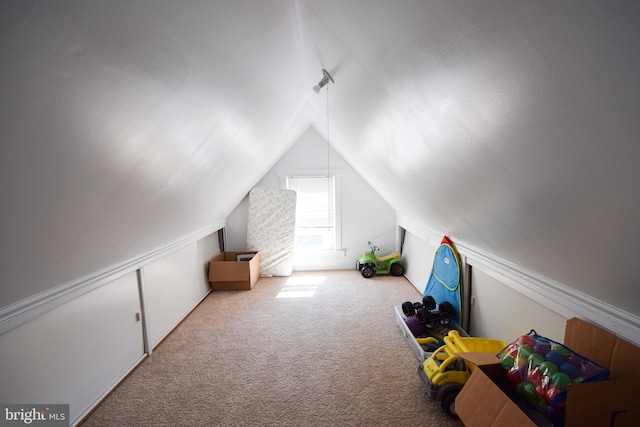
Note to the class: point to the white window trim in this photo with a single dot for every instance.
(315, 173)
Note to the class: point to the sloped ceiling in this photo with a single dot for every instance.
(512, 126)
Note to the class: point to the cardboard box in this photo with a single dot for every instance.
(226, 273)
(484, 400)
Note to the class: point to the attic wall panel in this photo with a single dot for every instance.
(503, 313)
(75, 353)
(417, 257)
(175, 284)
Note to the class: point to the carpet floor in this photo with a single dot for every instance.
(312, 349)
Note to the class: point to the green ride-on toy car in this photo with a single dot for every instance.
(369, 264)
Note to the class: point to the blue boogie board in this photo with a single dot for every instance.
(444, 281)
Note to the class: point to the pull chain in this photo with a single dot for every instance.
(328, 144)
(329, 192)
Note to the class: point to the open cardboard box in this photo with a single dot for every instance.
(484, 401)
(226, 273)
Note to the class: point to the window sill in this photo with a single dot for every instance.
(337, 253)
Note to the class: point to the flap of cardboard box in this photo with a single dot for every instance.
(480, 358)
(589, 341)
(482, 403)
(604, 348)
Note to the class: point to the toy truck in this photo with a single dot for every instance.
(443, 374)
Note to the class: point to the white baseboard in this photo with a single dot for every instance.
(106, 394)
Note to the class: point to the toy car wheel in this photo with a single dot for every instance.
(429, 302)
(448, 402)
(397, 269)
(408, 309)
(448, 312)
(423, 315)
(367, 271)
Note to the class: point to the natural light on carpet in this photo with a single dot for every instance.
(300, 286)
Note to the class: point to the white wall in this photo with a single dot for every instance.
(175, 284)
(365, 216)
(500, 311)
(417, 257)
(77, 352)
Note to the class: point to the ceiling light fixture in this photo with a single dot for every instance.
(326, 78)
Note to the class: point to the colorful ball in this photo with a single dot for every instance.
(520, 387)
(570, 369)
(414, 324)
(535, 360)
(526, 340)
(514, 377)
(529, 392)
(540, 404)
(555, 413)
(512, 349)
(535, 376)
(561, 380)
(525, 351)
(548, 368)
(555, 358)
(552, 391)
(523, 370)
(564, 351)
(588, 370)
(507, 361)
(542, 347)
(576, 359)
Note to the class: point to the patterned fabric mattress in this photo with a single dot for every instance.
(271, 229)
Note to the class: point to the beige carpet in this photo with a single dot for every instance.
(313, 349)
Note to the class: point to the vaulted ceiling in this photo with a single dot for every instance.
(512, 126)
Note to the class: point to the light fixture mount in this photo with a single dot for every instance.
(326, 78)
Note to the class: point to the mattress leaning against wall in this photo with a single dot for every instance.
(271, 228)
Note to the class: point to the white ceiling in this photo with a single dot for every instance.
(512, 126)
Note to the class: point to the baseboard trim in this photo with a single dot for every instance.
(414, 285)
(182, 319)
(86, 414)
(557, 296)
(29, 308)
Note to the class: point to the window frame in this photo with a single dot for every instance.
(336, 174)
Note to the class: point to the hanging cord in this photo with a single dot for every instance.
(328, 144)
(329, 192)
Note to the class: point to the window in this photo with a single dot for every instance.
(317, 211)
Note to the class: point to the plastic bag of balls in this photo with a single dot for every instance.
(542, 370)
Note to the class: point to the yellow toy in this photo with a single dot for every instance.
(444, 373)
